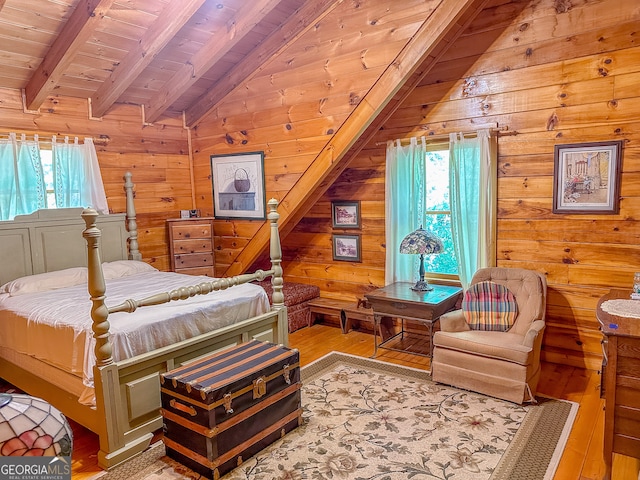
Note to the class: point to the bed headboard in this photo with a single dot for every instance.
(49, 240)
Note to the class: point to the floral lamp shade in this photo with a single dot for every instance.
(29, 426)
(421, 242)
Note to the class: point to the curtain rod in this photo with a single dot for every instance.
(445, 136)
(48, 138)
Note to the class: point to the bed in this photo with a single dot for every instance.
(72, 263)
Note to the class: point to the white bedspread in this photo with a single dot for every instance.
(55, 326)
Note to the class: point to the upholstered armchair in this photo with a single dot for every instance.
(492, 345)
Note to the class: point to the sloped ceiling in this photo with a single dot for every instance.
(165, 55)
(275, 112)
(172, 56)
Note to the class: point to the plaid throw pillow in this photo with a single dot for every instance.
(489, 306)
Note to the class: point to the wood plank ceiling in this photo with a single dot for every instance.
(171, 56)
(165, 55)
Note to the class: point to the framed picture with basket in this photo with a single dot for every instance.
(238, 185)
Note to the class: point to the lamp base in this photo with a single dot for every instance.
(422, 286)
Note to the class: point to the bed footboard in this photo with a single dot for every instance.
(131, 388)
(128, 392)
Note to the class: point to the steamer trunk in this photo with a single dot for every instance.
(226, 407)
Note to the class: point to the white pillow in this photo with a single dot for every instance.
(43, 282)
(124, 268)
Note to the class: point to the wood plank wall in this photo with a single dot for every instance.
(298, 99)
(562, 72)
(157, 155)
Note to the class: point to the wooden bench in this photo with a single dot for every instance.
(345, 311)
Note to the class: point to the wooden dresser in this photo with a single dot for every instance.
(621, 370)
(191, 245)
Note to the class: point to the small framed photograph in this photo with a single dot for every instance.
(586, 178)
(238, 185)
(346, 248)
(345, 214)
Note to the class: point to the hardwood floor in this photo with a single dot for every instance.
(582, 458)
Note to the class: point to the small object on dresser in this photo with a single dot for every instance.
(228, 406)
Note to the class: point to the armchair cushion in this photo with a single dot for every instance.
(507, 347)
(489, 306)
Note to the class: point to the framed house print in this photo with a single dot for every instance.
(345, 214)
(238, 185)
(346, 247)
(586, 178)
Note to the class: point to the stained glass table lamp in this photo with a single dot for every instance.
(423, 243)
(29, 426)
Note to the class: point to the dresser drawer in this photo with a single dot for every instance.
(629, 446)
(627, 389)
(198, 245)
(627, 421)
(198, 230)
(193, 260)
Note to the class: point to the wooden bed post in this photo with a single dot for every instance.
(109, 426)
(132, 225)
(276, 255)
(97, 289)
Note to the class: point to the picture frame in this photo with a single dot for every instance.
(346, 248)
(238, 186)
(345, 214)
(586, 177)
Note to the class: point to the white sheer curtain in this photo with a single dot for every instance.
(77, 180)
(404, 211)
(473, 192)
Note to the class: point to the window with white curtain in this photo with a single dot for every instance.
(437, 211)
(450, 189)
(57, 173)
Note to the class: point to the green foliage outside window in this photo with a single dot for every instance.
(438, 212)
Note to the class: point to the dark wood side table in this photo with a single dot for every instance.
(621, 371)
(399, 301)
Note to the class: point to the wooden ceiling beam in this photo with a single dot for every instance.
(246, 18)
(418, 56)
(368, 135)
(75, 33)
(295, 26)
(169, 22)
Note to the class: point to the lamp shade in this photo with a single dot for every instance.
(421, 241)
(29, 426)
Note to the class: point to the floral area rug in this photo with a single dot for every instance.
(369, 420)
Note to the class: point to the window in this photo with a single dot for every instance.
(46, 158)
(437, 211)
(450, 189)
(48, 174)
